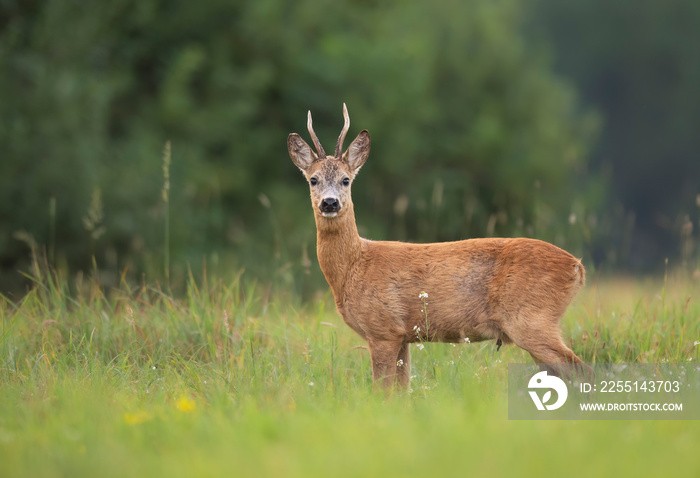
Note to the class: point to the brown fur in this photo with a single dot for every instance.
(512, 290)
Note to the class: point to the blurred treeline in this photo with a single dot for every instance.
(574, 122)
(636, 63)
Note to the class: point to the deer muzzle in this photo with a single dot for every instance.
(329, 207)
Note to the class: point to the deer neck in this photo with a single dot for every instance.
(338, 246)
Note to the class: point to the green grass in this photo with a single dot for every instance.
(238, 379)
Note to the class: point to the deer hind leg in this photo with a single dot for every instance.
(556, 358)
(548, 350)
(385, 356)
(570, 368)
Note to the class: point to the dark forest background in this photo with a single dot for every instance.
(574, 122)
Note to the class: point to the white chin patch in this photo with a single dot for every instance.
(329, 214)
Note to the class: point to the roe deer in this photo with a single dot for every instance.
(510, 290)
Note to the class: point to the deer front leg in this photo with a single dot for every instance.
(385, 355)
(403, 366)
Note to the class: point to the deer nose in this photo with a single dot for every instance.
(330, 205)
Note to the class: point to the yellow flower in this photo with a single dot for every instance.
(137, 417)
(185, 404)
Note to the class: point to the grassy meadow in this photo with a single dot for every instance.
(239, 379)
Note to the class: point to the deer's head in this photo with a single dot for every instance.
(329, 177)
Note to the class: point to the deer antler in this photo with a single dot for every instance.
(341, 138)
(317, 143)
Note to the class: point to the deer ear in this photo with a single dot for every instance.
(300, 152)
(357, 152)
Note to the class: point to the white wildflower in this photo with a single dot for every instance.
(696, 343)
(466, 339)
(423, 295)
(399, 363)
(420, 346)
(311, 384)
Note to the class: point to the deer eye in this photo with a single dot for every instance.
(313, 181)
(346, 182)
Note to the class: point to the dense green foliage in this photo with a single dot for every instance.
(475, 124)
(472, 133)
(237, 379)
